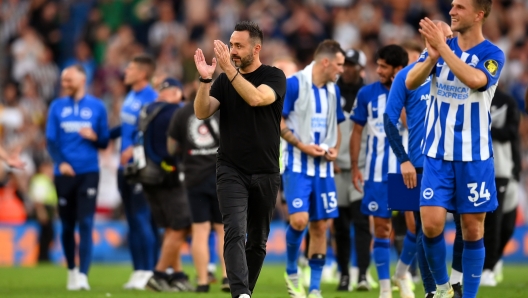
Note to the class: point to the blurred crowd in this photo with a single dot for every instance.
(39, 38)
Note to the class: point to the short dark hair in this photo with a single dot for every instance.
(412, 45)
(146, 61)
(485, 5)
(328, 47)
(254, 30)
(394, 55)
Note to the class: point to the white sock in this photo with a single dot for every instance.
(401, 269)
(385, 285)
(211, 267)
(456, 277)
(445, 286)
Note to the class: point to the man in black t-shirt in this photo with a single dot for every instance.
(250, 98)
(197, 143)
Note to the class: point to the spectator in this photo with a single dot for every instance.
(46, 75)
(45, 21)
(84, 57)
(166, 26)
(26, 50)
(44, 197)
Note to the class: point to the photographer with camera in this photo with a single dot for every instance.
(156, 170)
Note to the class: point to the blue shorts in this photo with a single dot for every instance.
(311, 194)
(376, 199)
(461, 186)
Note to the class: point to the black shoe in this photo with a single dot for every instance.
(457, 288)
(202, 289)
(225, 285)
(182, 284)
(344, 284)
(429, 295)
(158, 284)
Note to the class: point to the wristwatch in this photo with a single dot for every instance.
(204, 80)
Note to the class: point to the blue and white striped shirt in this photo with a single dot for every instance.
(368, 111)
(458, 120)
(295, 160)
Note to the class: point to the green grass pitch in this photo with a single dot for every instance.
(107, 280)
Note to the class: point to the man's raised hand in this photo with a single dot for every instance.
(223, 55)
(206, 71)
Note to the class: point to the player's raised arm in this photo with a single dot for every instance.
(204, 104)
(422, 69)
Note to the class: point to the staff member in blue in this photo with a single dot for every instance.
(142, 236)
(76, 129)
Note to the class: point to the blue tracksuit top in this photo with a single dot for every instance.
(130, 114)
(65, 118)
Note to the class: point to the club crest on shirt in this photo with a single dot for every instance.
(86, 113)
(491, 66)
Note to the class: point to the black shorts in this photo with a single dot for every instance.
(169, 206)
(77, 195)
(204, 201)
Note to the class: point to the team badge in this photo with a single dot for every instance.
(491, 66)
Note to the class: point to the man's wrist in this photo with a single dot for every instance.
(299, 145)
(205, 80)
(231, 72)
(443, 48)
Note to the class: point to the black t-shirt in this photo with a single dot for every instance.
(349, 93)
(197, 144)
(250, 136)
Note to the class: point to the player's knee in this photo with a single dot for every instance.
(298, 222)
(472, 232)
(318, 229)
(382, 231)
(431, 230)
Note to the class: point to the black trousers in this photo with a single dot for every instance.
(246, 203)
(399, 226)
(507, 229)
(492, 227)
(362, 237)
(46, 235)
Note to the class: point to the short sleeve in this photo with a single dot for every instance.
(359, 111)
(491, 65)
(276, 80)
(397, 96)
(292, 94)
(217, 89)
(339, 109)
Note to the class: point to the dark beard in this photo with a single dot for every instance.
(245, 61)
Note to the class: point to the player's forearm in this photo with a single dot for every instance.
(287, 134)
(202, 102)
(419, 73)
(395, 139)
(251, 95)
(355, 145)
(470, 76)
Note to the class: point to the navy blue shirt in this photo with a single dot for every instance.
(155, 141)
